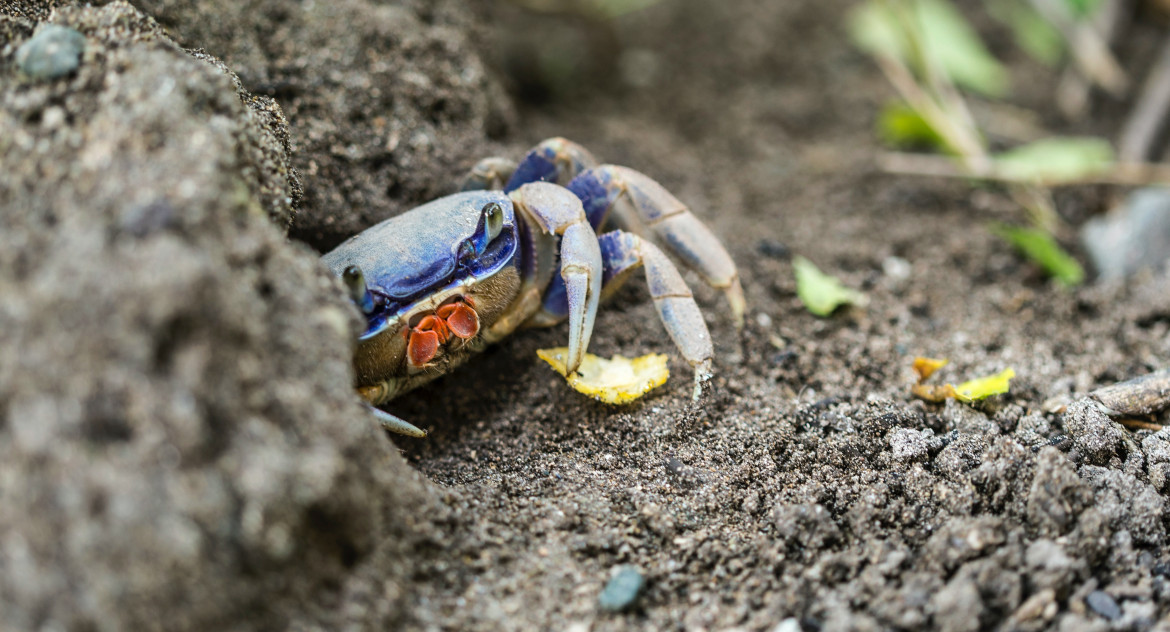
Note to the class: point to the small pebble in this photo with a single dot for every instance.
(1104, 605)
(55, 51)
(897, 268)
(622, 590)
(788, 625)
(773, 249)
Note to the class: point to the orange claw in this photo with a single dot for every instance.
(435, 324)
(461, 319)
(422, 347)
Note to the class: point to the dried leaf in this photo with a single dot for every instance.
(925, 367)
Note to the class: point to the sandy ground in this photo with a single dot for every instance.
(808, 488)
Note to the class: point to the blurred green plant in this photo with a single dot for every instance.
(1040, 247)
(1055, 160)
(595, 9)
(1031, 32)
(821, 293)
(930, 53)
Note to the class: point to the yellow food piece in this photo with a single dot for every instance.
(985, 386)
(619, 380)
(925, 367)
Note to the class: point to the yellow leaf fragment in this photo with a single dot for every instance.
(925, 367)
(984, 387)
(933, 393)
(967, 392)
(618, 380)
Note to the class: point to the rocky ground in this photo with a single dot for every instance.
(179, 447)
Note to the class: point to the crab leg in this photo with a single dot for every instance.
(396, 425)
(555, 160)
(622, 253)
(648, 209)
(489, 174)
(555, 211)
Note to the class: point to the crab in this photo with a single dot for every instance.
(522, 246)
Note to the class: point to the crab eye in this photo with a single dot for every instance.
(493, 219)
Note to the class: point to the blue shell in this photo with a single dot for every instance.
(413, 255)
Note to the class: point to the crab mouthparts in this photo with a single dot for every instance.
(450, 321)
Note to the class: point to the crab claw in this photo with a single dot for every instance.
(461, 319)
(581, 271)
(422, 347)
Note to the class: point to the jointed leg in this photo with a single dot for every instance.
(638, 204)
(553, 210)
(621, 254)
(396, 425)
(489, 174)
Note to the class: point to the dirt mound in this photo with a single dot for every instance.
(179, 445)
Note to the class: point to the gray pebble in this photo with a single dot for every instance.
(55, 51)
(622, 590)
(1133, 237)
(1104, 605)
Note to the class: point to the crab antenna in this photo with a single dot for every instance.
(356, 282)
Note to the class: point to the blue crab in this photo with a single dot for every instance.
(442, 281)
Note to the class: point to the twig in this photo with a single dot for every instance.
(1125, 174)
(1148, 117)
(963, 141)
(1072, 92)
(1140, 396)
(1089, 49)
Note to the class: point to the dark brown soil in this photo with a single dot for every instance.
(809, 488)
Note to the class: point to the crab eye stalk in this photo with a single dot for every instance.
(355, 281)
(493, 219)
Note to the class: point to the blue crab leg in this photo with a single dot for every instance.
(489, 174)
(396, 425)
(622, 253)
(555, 211)
(555, 160)
(640, 205)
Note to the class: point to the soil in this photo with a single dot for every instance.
(180, 449)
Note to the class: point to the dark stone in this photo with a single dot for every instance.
(1104, 605)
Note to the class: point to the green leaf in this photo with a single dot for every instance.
(949, 39)
(875, 29)
(1041, 248)
(1057, 159)
(822, 293)
(1033, 34)
(900, 125)
(984, 387)
(616, 8)
(1083, 8)
(945, 36)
